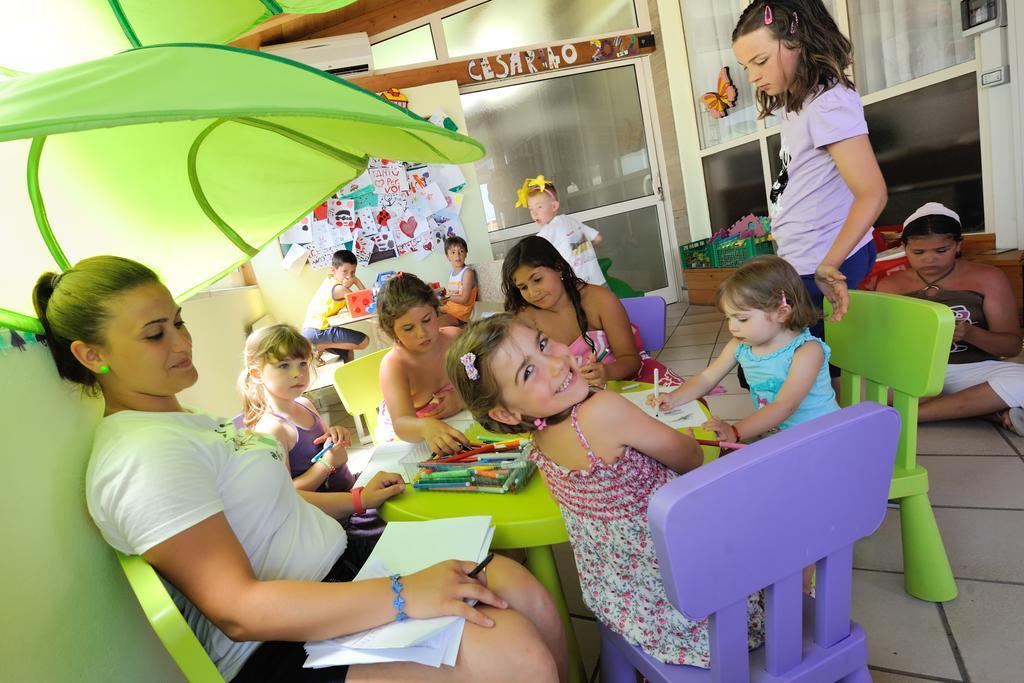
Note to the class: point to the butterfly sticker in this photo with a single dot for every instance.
(718, 103)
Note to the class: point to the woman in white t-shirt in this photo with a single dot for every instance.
(256, 566)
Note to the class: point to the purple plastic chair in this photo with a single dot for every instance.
(648, 314)
(752, 520)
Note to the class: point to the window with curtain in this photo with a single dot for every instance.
(708, 26)
(502, 24)
(898, 40)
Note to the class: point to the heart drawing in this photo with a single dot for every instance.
(408, 226)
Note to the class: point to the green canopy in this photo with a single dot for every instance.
(36, 35)
(189, 158)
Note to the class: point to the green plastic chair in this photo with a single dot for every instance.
(165, 618)
(358, 387)
(900, 343)
(620, 288)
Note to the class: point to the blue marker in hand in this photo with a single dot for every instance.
(327, 447)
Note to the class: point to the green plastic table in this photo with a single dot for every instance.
(529, 519)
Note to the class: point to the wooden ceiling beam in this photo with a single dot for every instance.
(371, 16)
(500, 64)
(387, 17)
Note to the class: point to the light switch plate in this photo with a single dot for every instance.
(997, 76)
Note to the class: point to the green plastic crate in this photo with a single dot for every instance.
(697, 254)
(732, 253)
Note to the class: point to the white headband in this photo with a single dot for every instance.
(931, 209)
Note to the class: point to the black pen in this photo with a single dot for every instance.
(480, 567)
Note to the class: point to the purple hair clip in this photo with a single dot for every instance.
(769, 18)
(468, 361)
(540, 423)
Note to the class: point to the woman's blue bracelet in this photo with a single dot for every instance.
(399, 602)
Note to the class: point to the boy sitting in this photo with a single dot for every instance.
(457, 308)
(328, 301)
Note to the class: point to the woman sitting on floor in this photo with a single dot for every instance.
(978, 383)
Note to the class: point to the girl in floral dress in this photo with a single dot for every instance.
(603, 459)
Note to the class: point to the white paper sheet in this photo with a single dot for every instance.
(405, 548)
(687, 415)
(295, 258)
(388, 457)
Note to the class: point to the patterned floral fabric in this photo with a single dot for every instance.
(605, 511)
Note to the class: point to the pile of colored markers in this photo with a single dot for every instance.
(478, 468)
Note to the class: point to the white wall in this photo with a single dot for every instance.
(287, 294)
(1000, 119)
(218, 320)
(1015, 35)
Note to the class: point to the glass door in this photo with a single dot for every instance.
(590, 131)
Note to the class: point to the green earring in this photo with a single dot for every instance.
(104, 369)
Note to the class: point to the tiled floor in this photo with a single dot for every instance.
(977, 490)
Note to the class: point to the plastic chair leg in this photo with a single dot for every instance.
(540, 561)
(615, 666)
(926, 571)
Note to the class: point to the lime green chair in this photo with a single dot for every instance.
(620, 288)
(358, 386)
(168, 623)
(887, 342)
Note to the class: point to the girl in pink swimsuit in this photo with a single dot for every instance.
(541, 288)
(417, 391)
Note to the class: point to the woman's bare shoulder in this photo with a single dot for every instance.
(903, 282)
(984, 275)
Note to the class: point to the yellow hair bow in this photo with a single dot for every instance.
(538, 183)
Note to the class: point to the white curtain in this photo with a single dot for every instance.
(899, 40)
(708, 26)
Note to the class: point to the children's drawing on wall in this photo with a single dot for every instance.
(388, 177)
(374, 244)
(343, 213)
(394, 208)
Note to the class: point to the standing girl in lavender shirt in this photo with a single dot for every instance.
(830, 190)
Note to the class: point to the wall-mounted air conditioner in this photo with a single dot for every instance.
(346, 55)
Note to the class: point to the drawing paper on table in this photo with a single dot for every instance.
(686, 415)
(387, 457)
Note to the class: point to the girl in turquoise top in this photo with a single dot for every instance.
(769, 313)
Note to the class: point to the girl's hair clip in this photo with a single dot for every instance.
(540, 423)
(540, 183)
(769, 18)
(794, 23)
(468, 361)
